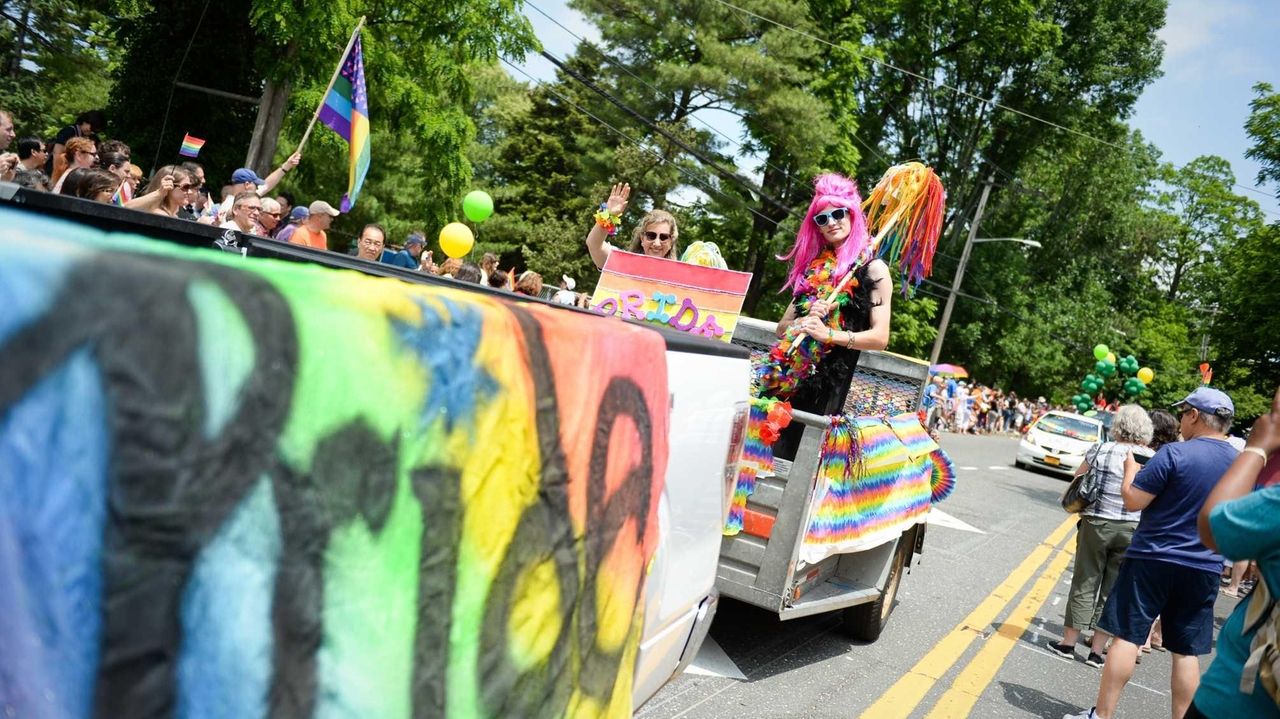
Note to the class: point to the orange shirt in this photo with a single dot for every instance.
(304, 236)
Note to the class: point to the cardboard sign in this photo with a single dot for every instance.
(690, 298)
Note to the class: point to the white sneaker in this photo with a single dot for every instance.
(1086, 714)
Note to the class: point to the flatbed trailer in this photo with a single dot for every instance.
(762, 566)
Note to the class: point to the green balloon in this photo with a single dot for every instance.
(477, 206)
(1108, 368)
(1099, 365)
(1100, 352)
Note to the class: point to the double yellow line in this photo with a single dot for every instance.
(906, 694)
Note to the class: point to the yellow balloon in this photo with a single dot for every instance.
(456, 239)
(1146, 375)
(1111, 357)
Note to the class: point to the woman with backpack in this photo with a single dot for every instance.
(1105, 531)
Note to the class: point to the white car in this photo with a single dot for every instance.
(1057, 442)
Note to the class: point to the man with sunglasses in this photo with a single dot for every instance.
(1168, 571)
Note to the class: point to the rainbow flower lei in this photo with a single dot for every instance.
(781, 371)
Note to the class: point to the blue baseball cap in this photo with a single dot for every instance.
(1210, 401)
(243, 175)
(415, 239)
(299, 213)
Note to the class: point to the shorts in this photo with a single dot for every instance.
(1181, 596)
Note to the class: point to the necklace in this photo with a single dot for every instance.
(779, 372)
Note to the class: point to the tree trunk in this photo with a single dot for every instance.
(764, 223)
(266, 131)
(20, 42)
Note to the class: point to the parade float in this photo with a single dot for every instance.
(835, 527)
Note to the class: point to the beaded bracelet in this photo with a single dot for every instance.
(608, 221)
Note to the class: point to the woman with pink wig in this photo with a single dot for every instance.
(832, 243)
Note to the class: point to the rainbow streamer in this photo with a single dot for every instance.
(765, 420)
(346, 112)
(904, 215)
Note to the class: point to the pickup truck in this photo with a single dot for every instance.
(275, 480)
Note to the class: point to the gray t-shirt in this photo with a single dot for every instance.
(1108, 459)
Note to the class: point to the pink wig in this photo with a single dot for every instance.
(829, 190)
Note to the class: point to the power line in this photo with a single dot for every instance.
(699, 182)
(725, 173)
(956, 90)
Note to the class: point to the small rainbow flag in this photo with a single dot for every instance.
(122, 194)
(191, 146)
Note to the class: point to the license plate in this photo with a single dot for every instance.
(1052, 460)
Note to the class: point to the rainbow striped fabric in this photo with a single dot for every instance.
(190, 146)
(346, 112)
(872, 485)
(757, 459)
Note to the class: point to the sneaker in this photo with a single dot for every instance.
(1095, 660)
(1088, 714)
(1062, 650)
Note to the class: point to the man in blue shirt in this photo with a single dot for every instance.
(1168, 572)
(411, 256)
(1244, 524)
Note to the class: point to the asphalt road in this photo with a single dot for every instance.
(966, 637)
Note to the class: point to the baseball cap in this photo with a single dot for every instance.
(568, 281)
(1210, 401)
(324, 207)
(243, 175)
(415, 239)
(299, 213)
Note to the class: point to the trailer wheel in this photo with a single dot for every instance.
(865, 621)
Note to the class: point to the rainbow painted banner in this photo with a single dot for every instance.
(236, 488)
(691, 298)
(876, 479)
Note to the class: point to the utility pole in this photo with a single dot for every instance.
(955, 283)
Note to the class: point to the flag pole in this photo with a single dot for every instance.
(341, 61)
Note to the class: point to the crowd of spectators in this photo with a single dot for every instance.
(79, 163)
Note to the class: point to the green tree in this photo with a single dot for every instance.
(55, 60)
(1263, 127)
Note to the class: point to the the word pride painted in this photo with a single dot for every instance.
(256, 489)
(690, 298)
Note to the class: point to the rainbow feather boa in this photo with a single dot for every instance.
(765, 421)
(876, 479)
(904, 217)
(781, 371)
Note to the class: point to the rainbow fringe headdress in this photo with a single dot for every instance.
(904, 217)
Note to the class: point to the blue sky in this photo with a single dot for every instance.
(1215, 50)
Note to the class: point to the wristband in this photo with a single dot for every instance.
(1256, 450)
(831, 335)
(608, 221)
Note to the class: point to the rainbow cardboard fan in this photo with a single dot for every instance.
(691, 298)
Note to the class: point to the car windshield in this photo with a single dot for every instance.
(1069, 427)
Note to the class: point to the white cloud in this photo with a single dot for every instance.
(1202, 39)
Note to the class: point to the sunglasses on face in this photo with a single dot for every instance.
(656, 236)
(186, 187)
(822, 218)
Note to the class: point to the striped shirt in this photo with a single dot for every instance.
(1108, 459)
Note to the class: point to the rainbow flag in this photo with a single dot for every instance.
(122, 195)
(346, 112)
(190, 146)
